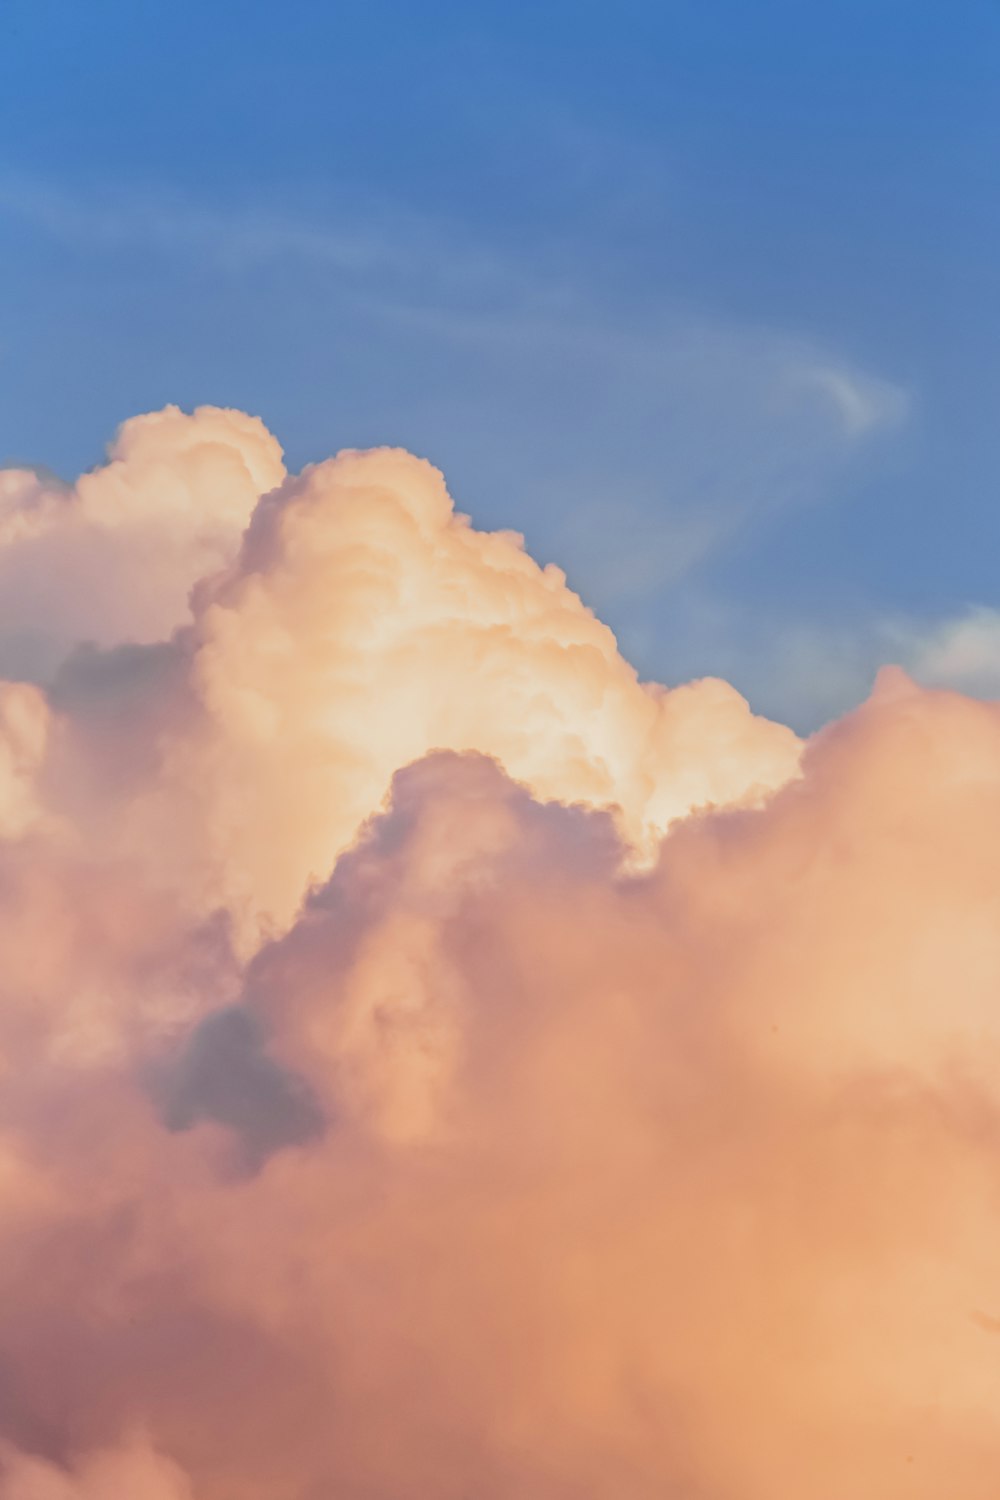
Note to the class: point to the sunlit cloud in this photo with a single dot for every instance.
(436, 1062)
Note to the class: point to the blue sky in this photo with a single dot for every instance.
(701, 297)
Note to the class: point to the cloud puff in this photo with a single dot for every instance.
(113, 557)
(336, 650)
(339, 643)
(436, 1063)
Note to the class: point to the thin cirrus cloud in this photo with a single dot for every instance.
(668, 433)
(371, 243)
(665, 442)
(745, 424)
(864, 403)
(437, 1062)
(110, 220)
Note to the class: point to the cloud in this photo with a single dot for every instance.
(225, 1074)
(808, 672)
(112, 558)
(435, 1062)
(134, 1471)
(323, 659)
(668, 432)
(707, 431)
(961, 652)
(863, 403)
(163, 220)
(365, 244)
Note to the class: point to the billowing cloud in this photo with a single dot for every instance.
(434, 1062)
(132, 1471)
(113, 557)
(343, 641)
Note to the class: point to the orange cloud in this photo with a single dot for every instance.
(435, 1063)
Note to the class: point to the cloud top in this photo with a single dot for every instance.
(435, 1062)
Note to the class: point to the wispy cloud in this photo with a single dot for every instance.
(114, 219)
(375, 243)
(962, 651)
(863, 402)
(667, 432)
(684, 430)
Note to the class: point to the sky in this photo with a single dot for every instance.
(701, 299)
(487, 1014)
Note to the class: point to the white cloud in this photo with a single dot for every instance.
(960, 652)
(863, 402)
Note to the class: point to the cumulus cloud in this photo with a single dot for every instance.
(339, 644)
(436, 1063)
(112, 558)
(132, 1471)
